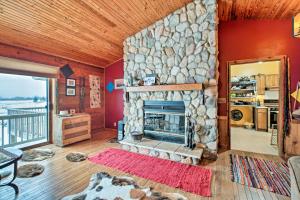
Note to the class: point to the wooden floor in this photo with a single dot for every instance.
(62, 177)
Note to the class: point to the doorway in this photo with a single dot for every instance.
(255, 105)
(24, 114)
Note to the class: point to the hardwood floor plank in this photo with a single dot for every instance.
(227, 185)
(235, 191)
(242, 192)
(274, 196)
(254, 193)
(248, 193)
(260, 194)
(62, 178)
(267, 195)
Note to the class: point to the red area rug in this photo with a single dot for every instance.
(189, 178)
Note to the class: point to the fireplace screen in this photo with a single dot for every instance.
(165, 121)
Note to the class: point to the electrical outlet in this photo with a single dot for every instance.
(115, 124)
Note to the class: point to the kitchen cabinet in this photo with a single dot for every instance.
(272, 81)
(261, 119)
(260, 84)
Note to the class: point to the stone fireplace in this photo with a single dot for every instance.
(180, 48)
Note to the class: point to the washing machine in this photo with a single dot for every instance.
(241, 114)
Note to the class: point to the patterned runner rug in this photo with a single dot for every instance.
(262, 174)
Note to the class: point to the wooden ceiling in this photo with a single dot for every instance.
(92, 31)
(257, 9)
(88, 31)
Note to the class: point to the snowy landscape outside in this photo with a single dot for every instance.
(22, 96)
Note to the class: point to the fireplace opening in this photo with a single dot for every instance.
(165, 121)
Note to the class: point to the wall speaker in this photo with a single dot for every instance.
(66, 70)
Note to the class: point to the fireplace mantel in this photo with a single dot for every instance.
(175, 87)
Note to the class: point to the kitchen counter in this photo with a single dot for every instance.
(254, 106)
(261, 107)
(242, 105)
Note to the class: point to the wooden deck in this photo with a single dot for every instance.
(62, 177)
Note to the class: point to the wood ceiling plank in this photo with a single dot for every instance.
(225, 9)
(56, 48)
(112, 13)
(81, 23)
(106, 44)
(292, 8)
(79, 29)
(257, 9)
(93, 31)
(127, 13)
(59, 41)
(66, 37)
(99, 16)
(58, 26)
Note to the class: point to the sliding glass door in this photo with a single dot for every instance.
(24, 114)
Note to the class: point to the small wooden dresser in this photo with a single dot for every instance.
(68, 130)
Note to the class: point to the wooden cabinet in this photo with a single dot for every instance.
(269, 81)
(261, 119)
(260, 84)
(68, 130)
(292, 141)
(272, 81)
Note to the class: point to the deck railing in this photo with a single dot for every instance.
(23, 125)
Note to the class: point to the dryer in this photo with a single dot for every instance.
(241, 114)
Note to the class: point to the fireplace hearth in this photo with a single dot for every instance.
(165, 121)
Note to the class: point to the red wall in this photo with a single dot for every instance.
(251, 39)
(113, 101)
(238, 40)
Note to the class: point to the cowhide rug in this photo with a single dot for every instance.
(102, 186)
(30, 170)
(37, 154)
(76, 157)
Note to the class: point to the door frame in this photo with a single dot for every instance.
(282, 84)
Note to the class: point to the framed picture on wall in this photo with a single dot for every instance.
(119, 84)
(70, 91)
(72, 111)
(296, 26)
(71, 82)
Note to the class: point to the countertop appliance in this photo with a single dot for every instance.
(273, 110)
(271, 103)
